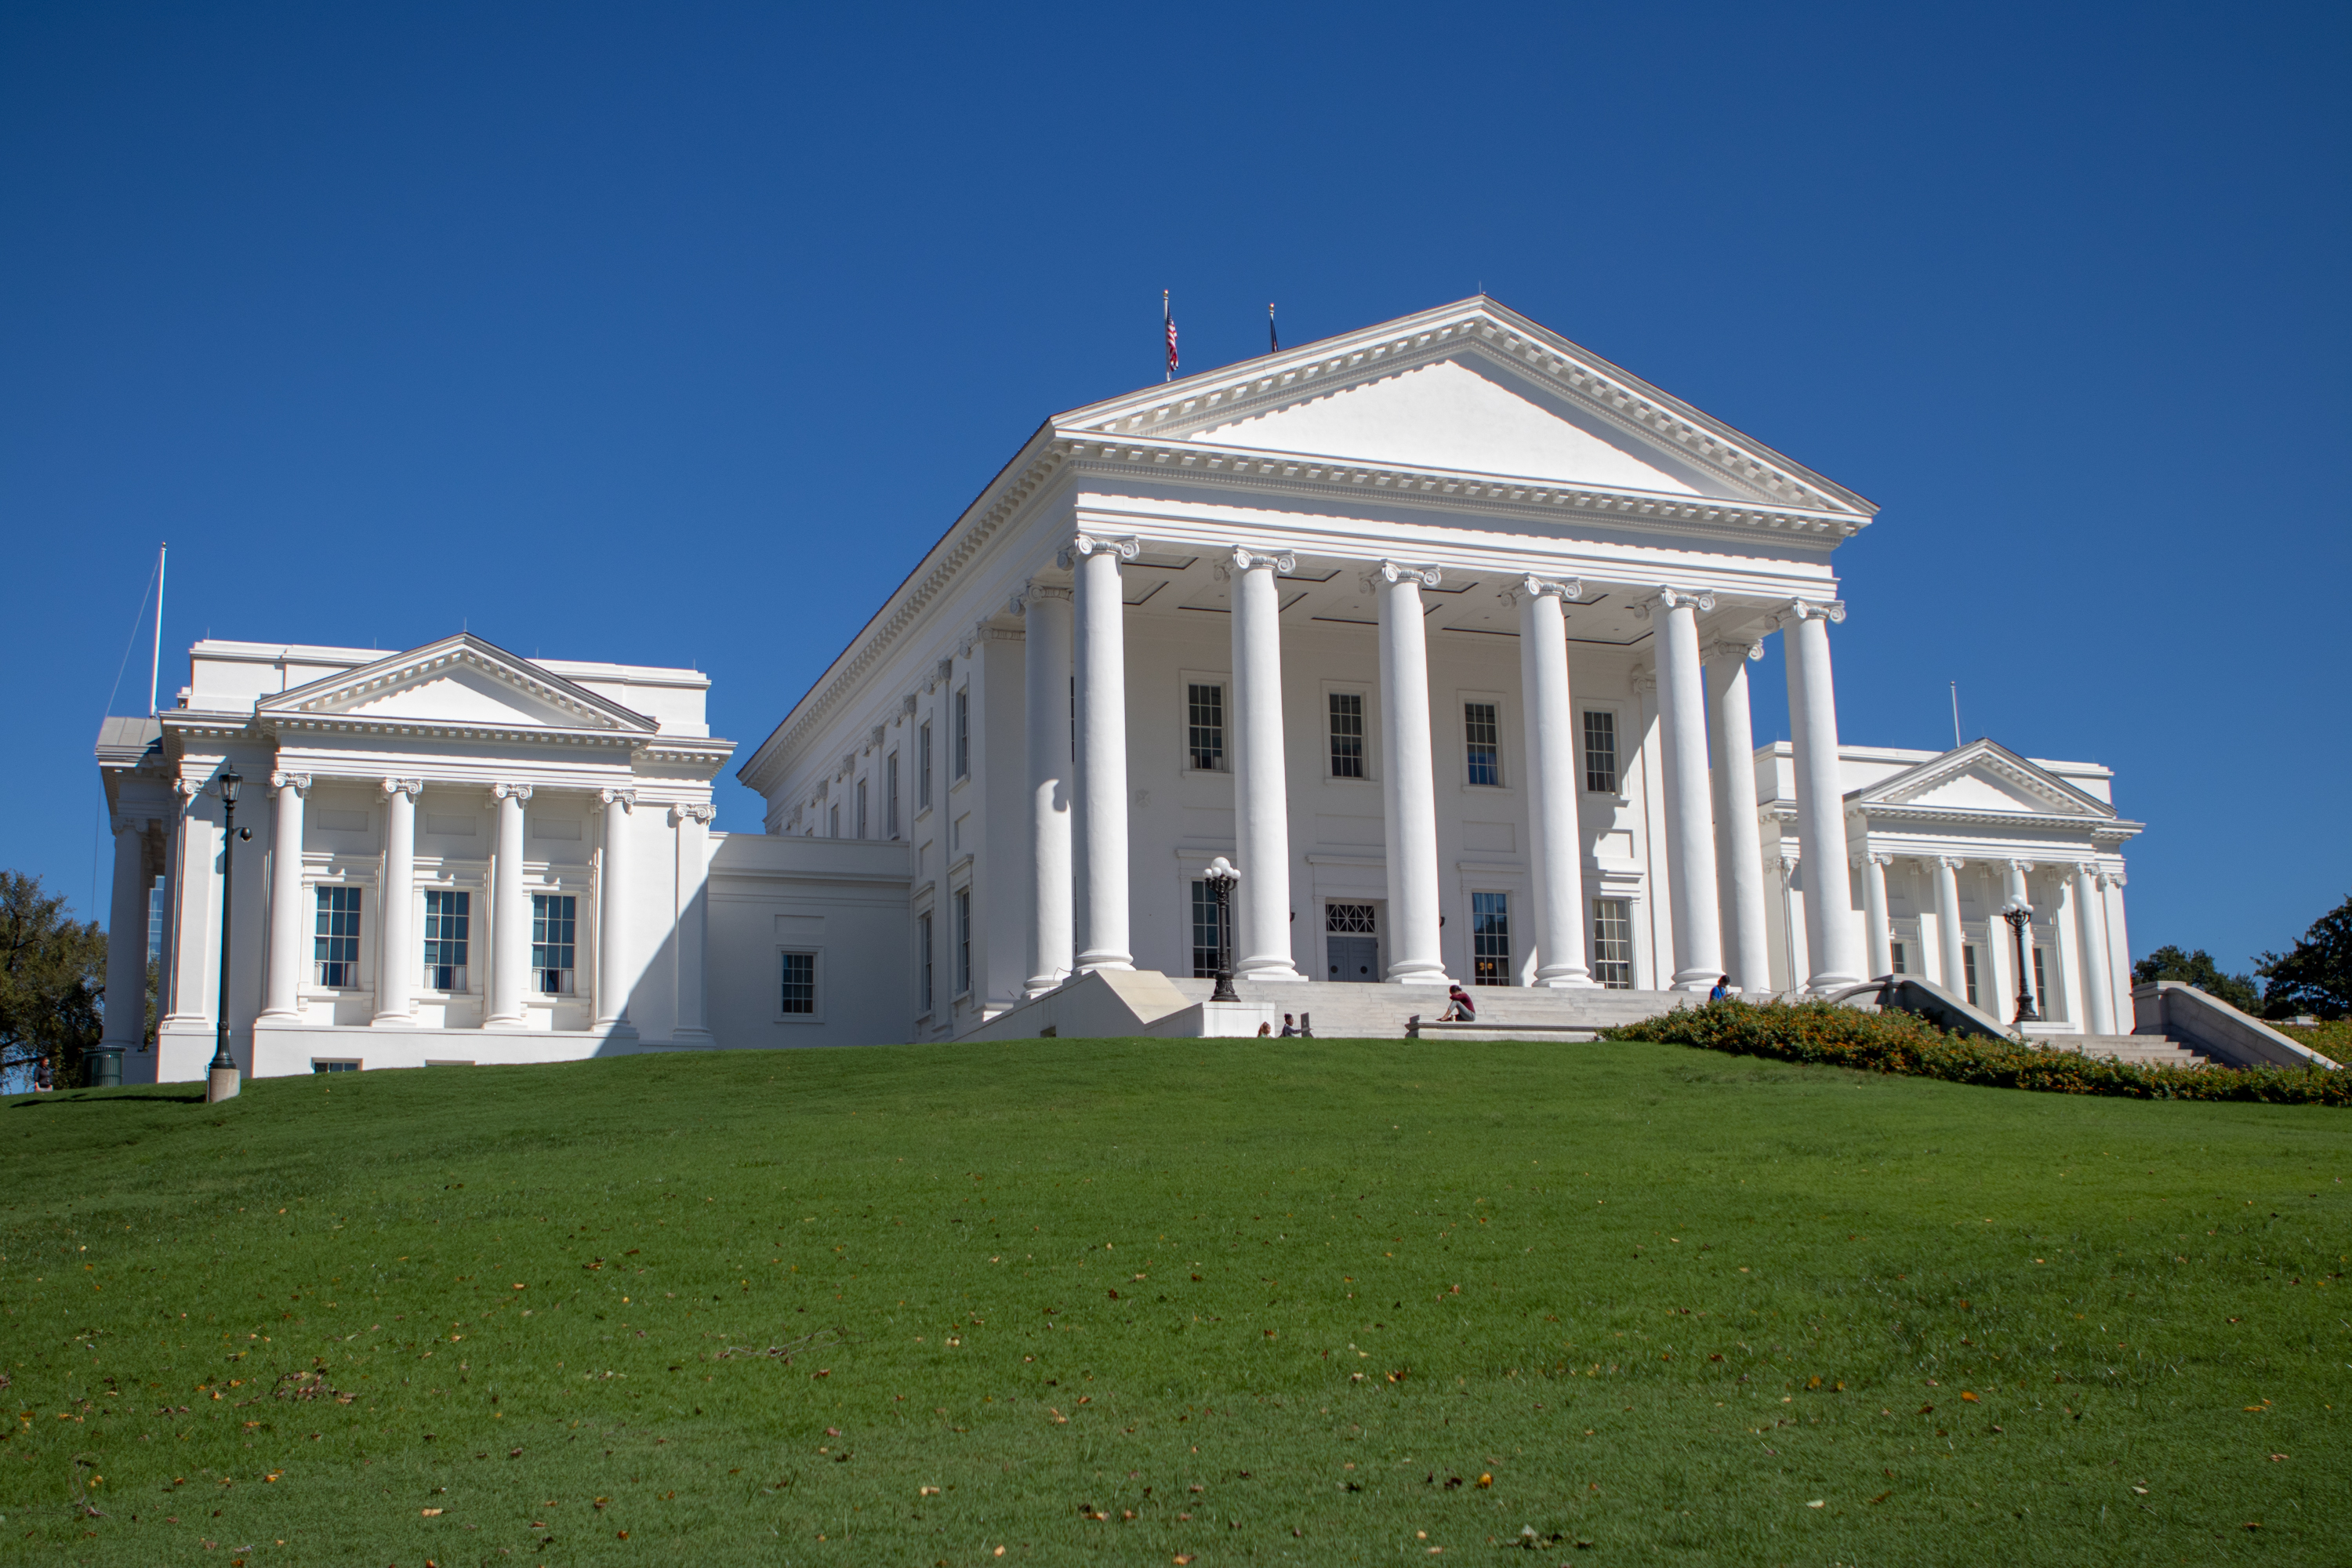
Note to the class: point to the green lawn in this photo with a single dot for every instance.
(1141, 1301)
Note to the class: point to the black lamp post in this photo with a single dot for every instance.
(1222, 879)
(2020, 914)
(221, 1081)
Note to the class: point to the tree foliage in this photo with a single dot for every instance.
(2315, 976)
(52, 978)
(2198, 969)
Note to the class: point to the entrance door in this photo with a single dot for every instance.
(1354, 957)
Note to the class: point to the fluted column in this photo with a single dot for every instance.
(1554, 832)
(1836, 956)
(126, 942)
(1690, 832)
(1046, 670)
(509, 914)
(397, 959)
(691, 941)
(1261, 782)
(1738, 843)
(1408, 775)
(614, 972)
(1950, 941)
(2091, 943)
(1873, 899)
(1098, 656)
(281, 995)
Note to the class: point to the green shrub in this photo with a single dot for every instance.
(1829, 1035)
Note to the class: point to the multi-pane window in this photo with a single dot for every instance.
(1204, 730)
(798, 998)
(923, 958)
(334, 1067)
(963, 732)
(337, 948)
(1206, 945)
(156, 921)
(890, 795)
(832, 820)
(1899, 968)
(1600, 751)
(1346, 734)
(446, 916)
(1612, 943)
(923, 767)
(964, 941)
(2042, 985)
(554, 927)
(861, 809)
(1969, 969)
(1351, 920)
(1482, 734)
(1490, 939)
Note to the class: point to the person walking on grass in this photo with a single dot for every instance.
(1459, 1008)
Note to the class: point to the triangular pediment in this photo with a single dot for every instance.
(1983, 776)
(1470, 388)
(460, 682)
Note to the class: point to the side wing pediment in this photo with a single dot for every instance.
(460, 682)
(1983, 776)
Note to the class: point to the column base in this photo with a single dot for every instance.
(279, 1016)
(1274, 971)
(1042, 985)
(694, 1039)
(1822, 984)
(1698, 983)
(1432, 975)
(1566, 983)
(615, 1028)
(506, 1026)
(1115, 961)
(393, 1021)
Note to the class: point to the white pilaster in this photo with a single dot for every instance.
(1261, 782)
(1046, 670)
(1739, 843)
(691, 941)
(194, 920)
(1690, 832)
(509, 914)
(1873, 899)
(397, 957)
(126, 941)
(1099, 658)
(1408, 776)
(1554, 834)
(1950, 939)
(613, 971)
(1830, 936)
(282, 983)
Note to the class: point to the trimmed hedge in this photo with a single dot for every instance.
(1826, 1035)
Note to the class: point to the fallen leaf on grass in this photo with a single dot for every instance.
(1972, 1398)
(428, 1512)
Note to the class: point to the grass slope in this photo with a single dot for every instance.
(1142, 1301)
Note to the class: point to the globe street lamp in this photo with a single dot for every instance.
(1222, 879)
(221, 1081)
(2020, 914)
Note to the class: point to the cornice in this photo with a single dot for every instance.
(439, 730)
(2112, 827)
(461, 651)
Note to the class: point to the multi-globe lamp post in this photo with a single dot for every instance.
(1221, 879)
(2020, 915)
(221, 1079)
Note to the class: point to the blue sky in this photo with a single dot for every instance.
(673, 334)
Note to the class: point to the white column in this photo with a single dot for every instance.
(1873, 899)
(1739, 844)
(126, 942)
(1045, 669)
(1792, 926)
(1408, 775)
(1836, 957)
(191, 917)
(1690, 831)
(2091, 951)
(1555, 834)
(614, 972)
(2116, 956)
(397, 959)
(692, 940)
(282, 986)
(1098, 656)
(1950, 939)
(509, 914)
(1261, 782)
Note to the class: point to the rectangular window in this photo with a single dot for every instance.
(963, 733)
(890, 795)
(337, 948)
(1482, 732)
(861, 809)
(155, 922)
(832, 820)
(799, 993)
(447, 917)
(923, 959)
(1204, 931)
(1490, 939)
(1351, 920)
(1600, 751)
(2041, 985)
(964, 941)
(1204, 733)
(1346, 734)
(1612, 943)
(334, 1067)
(1899, 968)
(1968, 968)
(554, 921)
(923, 767)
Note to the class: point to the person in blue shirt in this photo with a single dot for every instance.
(1722, 988)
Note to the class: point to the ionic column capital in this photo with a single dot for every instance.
(1530, 586)
(2111, 878)
(1667, 598)
(1800, 610)
(686, 811)
(299, 782)
(1644, 679)
(1730, 651)
(1082, 545)
(412, 788)
(1949, 862)
(1241, 560)
(626, 799)
(1388, 574)
(187, 789)
(518, 792)
(2022, 868)
(1031, 593)
(2086, 868)
(1874, 857)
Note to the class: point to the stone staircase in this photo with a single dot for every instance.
(2146, 1050)
(1355, 1012)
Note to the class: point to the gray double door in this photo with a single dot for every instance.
(1354, 958)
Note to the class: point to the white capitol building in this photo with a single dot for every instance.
(1439, 631)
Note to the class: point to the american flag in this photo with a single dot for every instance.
(1169, 321)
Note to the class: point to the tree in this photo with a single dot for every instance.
(52, 976)
(2315, 976)
(2198, 969)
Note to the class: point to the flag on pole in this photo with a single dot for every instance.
(1168, 319)
(1273, 343)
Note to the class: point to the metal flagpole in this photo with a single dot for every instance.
(1956, 715)
(155, 666)
(1273, 343)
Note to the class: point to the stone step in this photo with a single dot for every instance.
(1345, 1011)
(2154, 1051)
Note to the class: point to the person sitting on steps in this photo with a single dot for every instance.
(1459, 1008)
